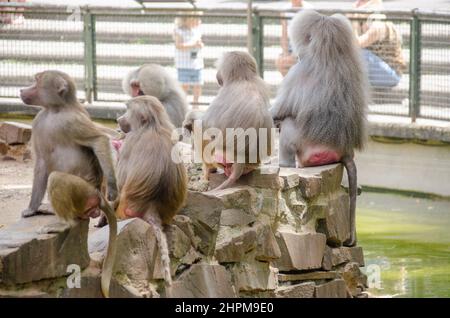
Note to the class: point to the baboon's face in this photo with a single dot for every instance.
(124, 122)
(30, 94)
(136, 89)
(48, 88)
(139, 113)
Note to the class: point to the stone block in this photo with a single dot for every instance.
(179, 243)
(3, 147)
(262, 177)
(137, 255)
(339, 255)
(254, 276)
(204, 210)
(204, 281)
(185, 224)
(15, 133)
(236, 217)
(267, 248)
(319, 275)
(312, 181)
(300, 251)
(334, 289)
(336, 224)
(27, 256)
(233, 244)
(356, 281)
(304, 290)
(289, 178)
(90, 287)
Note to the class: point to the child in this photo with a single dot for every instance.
(188, 54)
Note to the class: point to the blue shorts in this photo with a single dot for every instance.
(190, 76)
(380, 73)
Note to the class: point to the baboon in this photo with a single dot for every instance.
(73, 198)
(64, 138)
(241, 105)
(192, 116)
(154, 80)
(152, 186)
(321, 105)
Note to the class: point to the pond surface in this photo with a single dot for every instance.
(406, 244)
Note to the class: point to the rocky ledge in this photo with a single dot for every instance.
(277, 233)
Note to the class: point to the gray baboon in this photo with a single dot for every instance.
(64, 138)
(154, 80)
(72, 157)
(322, 102)
(152, 186)
(242, 104)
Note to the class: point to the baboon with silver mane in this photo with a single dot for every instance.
(154, 80)
(321, 105)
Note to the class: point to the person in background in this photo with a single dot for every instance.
(188, 54)
(12, 18)
(286, 58)
(381, 45)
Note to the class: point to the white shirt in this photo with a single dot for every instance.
(193, 58)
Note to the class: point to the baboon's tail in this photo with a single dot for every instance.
(108, 263)
(154, 220)
(350, 166)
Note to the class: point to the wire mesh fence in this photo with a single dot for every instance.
(34, 41)
(409, 72)
(435, 70)
(124, 42)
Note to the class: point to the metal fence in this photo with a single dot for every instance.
(99, 46)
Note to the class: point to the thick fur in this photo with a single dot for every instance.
(242, 102)
(155, 81)
(150, 183)
(326, 92)
(64, 138)
(70, 197)
(322, 102)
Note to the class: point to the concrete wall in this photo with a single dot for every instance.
(405, 166)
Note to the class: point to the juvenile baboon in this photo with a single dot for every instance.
(152, 186)
(154, 80)
(242, 105)
(64, 138)
(73, 198)
(322, 102)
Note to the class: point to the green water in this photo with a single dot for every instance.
(406, 244)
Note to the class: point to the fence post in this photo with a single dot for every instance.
(258, 42)
(414, 66)
(90, 65)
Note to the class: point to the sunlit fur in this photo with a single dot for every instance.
(242, 101)
(155, 81)
(151, 184)
(326, 92)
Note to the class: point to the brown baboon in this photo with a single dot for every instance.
(73, 198)
(322, 102)
(152, 186)
(64, 138)
(241, 105)
(154, 80)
